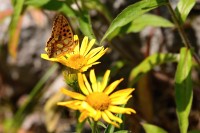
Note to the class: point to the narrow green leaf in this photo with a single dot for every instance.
(140, 23)
(183, 8)
(148, 64)
(15, 27)
(85, 25)
(101, 124)
(183, 89)
(131, 13)
(149, 128)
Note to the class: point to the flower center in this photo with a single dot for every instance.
(98, 100)
(76, 61)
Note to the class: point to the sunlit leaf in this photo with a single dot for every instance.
(148, 64)
(140, 23)
(183, 9)
(149, 128)
(85, 24)
(131, 13)
(183, 89)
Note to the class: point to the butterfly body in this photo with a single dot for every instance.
(61, 40)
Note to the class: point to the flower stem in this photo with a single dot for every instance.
(94, 127)
(184, 38)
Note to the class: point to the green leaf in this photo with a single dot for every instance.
(140, 23)
(85, 24)
(52, 5)
(183, 89)
(15, 26)
(183, 8)
(101, 124)
(148, 64)
(131, 13)
(148, 20)
(149, 128)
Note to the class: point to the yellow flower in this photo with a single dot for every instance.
(82, 58)
(97, 100)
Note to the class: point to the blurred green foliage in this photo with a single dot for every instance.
(133, 18)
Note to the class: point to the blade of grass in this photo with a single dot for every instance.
(15, 27)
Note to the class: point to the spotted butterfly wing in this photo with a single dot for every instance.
(61, 40)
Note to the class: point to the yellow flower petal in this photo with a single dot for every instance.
(116, 109)
(93, 81)
(98, 115)
(123, 92)
(97, 56)
(112, 86)
(77, 47)
(87, 84)
(62, 60)
(93, 52)
(86, 106)
(85, 68)
(112, 117)
(105, 80)
(106, 118)
(91, 43)
(46, 57)
(83, 116)
(76, 39)
(84, 45)
(74, 95)
(74, 104)
(120, 100)
(82, 85)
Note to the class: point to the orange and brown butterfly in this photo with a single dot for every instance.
(62, 39)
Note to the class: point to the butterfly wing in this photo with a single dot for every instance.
(61, 40)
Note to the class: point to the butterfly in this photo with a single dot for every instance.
(62, 38)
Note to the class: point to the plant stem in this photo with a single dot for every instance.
(94, 127)
(184, 38)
